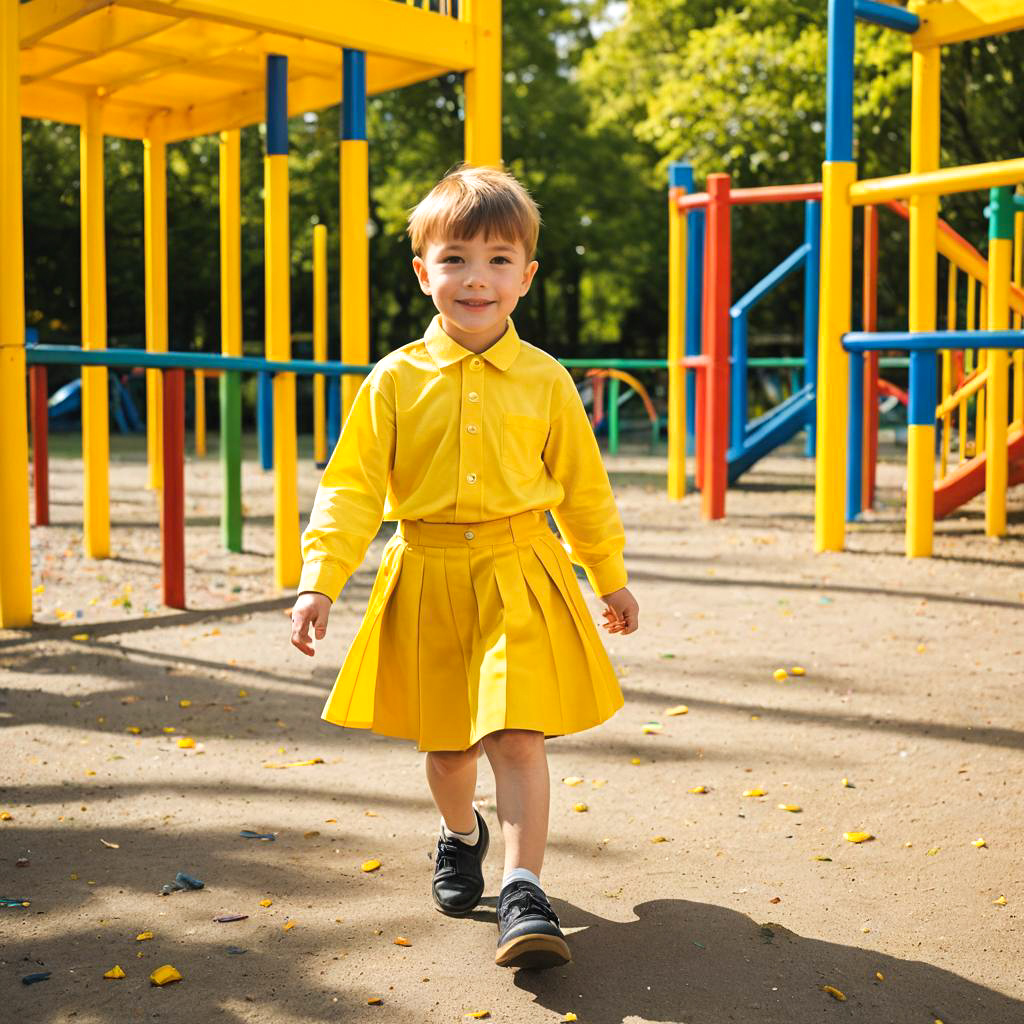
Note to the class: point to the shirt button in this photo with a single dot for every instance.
(473, 396)
(472, 429)
(469, 535)
(475, 364)
(471, 478)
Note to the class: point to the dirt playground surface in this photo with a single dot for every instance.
(679, 907)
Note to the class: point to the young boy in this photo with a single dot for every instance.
(476, 637)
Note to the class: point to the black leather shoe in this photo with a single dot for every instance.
(529, 935)
(458, 873)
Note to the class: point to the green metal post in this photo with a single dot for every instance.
(613, 415)
(231, 459)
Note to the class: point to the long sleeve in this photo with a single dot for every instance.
(587, 516)
(349, 504)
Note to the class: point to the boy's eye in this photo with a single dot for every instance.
(501, 259)
(451, 259)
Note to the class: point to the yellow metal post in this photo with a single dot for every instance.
(924, 212)
(230, 244)
(676, 342)
(947, 367)
(483, 84)
(319, 342)
(199, 380)
(95, 409)
(154, 173)
(287, 559)
(15, 563)
(355, 264)
(1018, 356)
(833, 378)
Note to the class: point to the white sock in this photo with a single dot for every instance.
(469, 838)
(520, 875)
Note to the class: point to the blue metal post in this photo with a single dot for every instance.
(333, 418)
(924, 383)
(694, 308)
(812, 292)
(738, 381)
(855, 438)
(265, 420)
(839, 82)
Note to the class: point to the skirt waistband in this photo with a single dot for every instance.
(494, 531)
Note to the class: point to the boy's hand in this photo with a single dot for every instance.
(621, 612)
(311, 609)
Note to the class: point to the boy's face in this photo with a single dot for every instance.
(475, 285)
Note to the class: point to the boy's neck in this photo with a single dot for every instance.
(473, 343)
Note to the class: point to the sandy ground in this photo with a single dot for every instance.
(680, 907)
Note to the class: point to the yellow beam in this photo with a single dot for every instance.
(483, 85)
(375, 26)
(154, 179)
(41, 18)
(57, 101)
(954, 21)
(968, 178)
(95, 411)
(15, 564)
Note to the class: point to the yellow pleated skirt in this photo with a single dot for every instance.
(472, 628)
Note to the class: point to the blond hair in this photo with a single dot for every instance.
(468, 200)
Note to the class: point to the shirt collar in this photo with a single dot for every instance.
(445, 351)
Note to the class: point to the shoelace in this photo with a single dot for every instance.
(526, 903)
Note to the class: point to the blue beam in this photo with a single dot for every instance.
(839, 82)
(353, 98)
(931, 341)
(886, 15)
(771, 280)
(777, 427)
(277, 105)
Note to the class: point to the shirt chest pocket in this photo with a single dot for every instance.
(522, 444)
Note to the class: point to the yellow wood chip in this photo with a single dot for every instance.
(679, 709)
(658, 839)
(979, 842)
(165, 975)
(780, 675)
(133, 729)
(402, 941)
(142, 936)
(374, 1001)
(186, 742)
(697, 789)
(834, 992)
(110, 846)
(243, 693)
(288, 926)
(266, 903)
(598, 783)
(479, 1015)
(80, 636)
(581, 807)
(572, 780)
(794, 808)
(753, 792)
(857, 837)
(311, 834)
(879, 975)
(1001, 902)
(569, 1017)
(796, 670)
(183, 703)
(933, 851)
(651, 728)
(114, 973)
(635, 760)
(371, 865)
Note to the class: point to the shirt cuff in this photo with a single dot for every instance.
(324, 578)
(608, 575)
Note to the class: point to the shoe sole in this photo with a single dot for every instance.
(442, 909)
(537, 951)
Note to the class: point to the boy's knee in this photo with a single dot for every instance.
(446, 762)
(516, 745)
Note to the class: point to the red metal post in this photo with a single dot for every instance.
(870, 320)
(40, 417)
(172, 519)
(717, 347)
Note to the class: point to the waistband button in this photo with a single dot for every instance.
(469, 535)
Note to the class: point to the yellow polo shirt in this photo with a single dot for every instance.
(439, 433)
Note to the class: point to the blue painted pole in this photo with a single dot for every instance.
(839, 83)
(738, 405)
(265, 420)
(333, 418)
(812, 292)
(855, 438)
(694, 313)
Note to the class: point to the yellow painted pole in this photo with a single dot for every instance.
(1018, 356)
(483, 85)
(924, 212)
(154, 175)
(95, 409)
(979, 401)
(1000, 269)
(320, 342)
(15, 561)
(355, 264)
(199, 381)
(287, 559)
(833, 378)
(969, 360)
(676, 344)
(947, 367)
(230, 243)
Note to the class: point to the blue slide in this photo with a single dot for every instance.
(65, 407)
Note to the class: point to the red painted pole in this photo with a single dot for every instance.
(40, 417)
(172, 519)
(717, 347)
(870, 320)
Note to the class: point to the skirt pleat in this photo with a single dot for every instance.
(464, 636)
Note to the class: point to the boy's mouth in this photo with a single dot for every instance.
(475, 303)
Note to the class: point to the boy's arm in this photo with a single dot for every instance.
(587, 517)
(349, 503)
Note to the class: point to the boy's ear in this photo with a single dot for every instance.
(420, 270)
(531, 269)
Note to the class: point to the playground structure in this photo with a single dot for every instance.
(165, 70)
(844, 428)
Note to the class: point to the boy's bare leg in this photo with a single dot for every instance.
(523, 789)
(451, 775)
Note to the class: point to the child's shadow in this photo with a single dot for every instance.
(695, 963)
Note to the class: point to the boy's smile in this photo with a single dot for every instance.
(475, 284)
